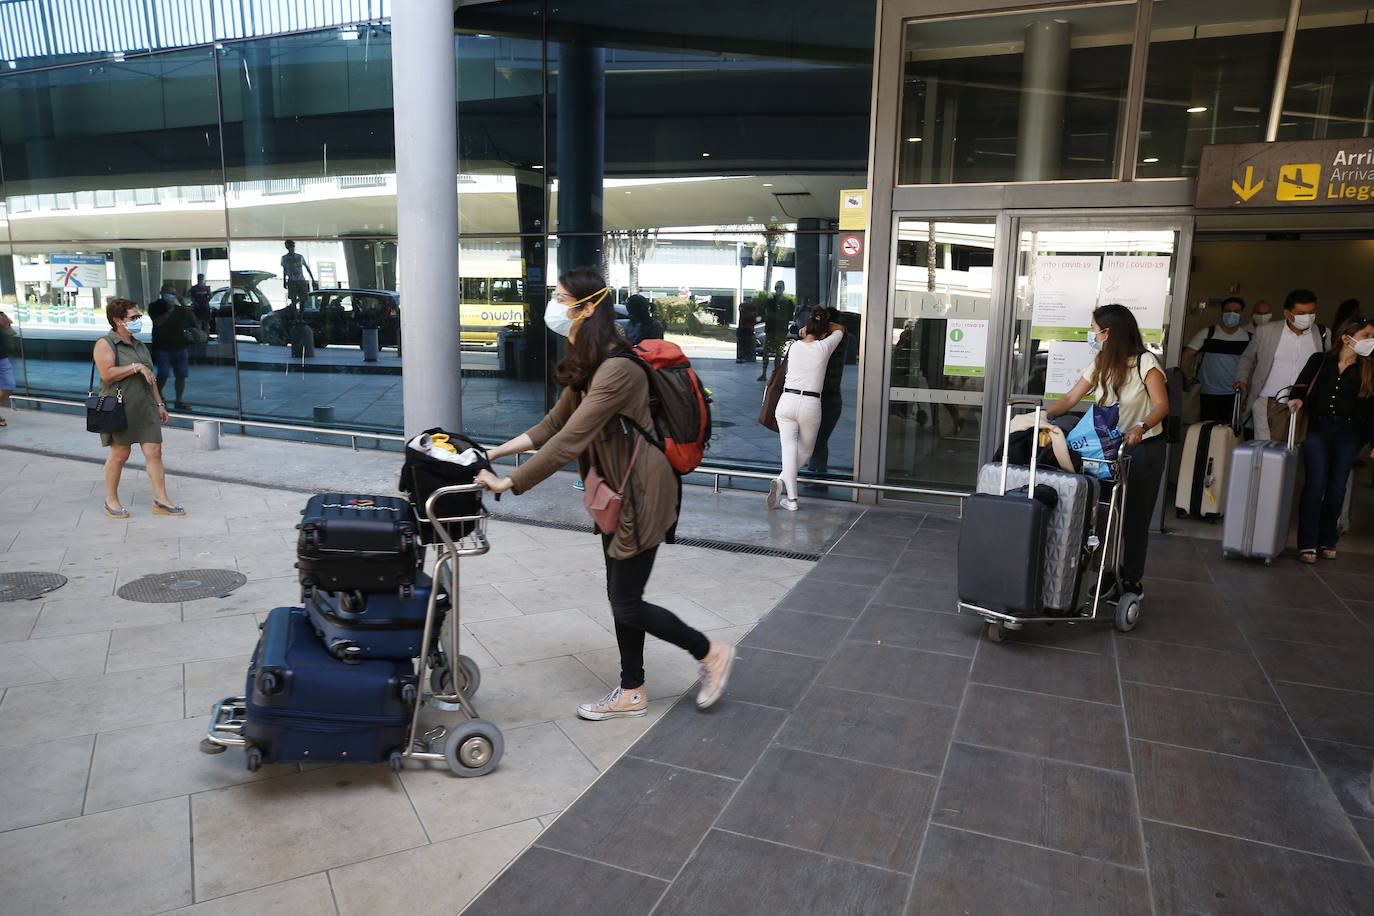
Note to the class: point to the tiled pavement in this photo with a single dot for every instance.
(107, 806)
(874, 755)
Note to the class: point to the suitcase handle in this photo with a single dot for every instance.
(1012, 404)
(1237, 409)
(1285, 396)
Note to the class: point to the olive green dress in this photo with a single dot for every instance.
(140, 400)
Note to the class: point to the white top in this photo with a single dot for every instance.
(1134, 397)
(1289, 357)
(806, 361)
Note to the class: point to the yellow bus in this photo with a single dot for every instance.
(492, 297)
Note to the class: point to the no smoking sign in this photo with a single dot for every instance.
(851, 256)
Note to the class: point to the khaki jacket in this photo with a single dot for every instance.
(582, 424)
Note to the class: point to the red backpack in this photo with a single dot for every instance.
(678, 401)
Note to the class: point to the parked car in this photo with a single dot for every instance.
(243, 301)
(338, 316)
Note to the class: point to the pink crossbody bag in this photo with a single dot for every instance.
(603, 503)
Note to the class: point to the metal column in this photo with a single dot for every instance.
(581, 154)
(1290, 35)
(1044, 79)
(426, 106)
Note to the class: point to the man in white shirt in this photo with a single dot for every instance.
(1276, 354)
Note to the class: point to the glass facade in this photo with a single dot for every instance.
(1330, 92)
(247, 179)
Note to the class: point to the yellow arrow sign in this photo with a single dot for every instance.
(1249, 190)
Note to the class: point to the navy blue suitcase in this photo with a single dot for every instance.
(305, 704)
(357, 541)
(372, 625)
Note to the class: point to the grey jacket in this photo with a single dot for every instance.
(1258, 358)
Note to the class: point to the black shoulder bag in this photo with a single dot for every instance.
(105, 413)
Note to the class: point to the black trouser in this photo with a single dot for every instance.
(1216, 407)
(832, 405)
(1142, 491)
(625, 581)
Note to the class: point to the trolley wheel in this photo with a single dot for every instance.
(995, 632)
(1127, 612)
(474, 748)
(254, 759)
(1268, 561)
(209, 747)
(441, 678)
(396, 761)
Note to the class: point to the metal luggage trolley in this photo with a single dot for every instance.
(1100, 556)
(474, 746)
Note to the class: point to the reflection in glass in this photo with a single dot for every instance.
(1330, 93)
(1014, 97)
(942, 308)
(1209, 80)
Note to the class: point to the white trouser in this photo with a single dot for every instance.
(1259, 416)
(799, 417)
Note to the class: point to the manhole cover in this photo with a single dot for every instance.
(14, 586)
(182, 585)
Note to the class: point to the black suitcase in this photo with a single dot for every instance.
(305, 704)
(1002, 540)
(358, 542)
(364, 625)
(422, 474)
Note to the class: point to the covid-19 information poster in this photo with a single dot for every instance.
(1142, 285)
(1064, 288)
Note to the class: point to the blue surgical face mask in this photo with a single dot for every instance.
(1230, 319)
(134, 326)
(556, 318)
(1093, 340)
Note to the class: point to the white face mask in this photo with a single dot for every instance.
(556, 318)
(1093, 340)
(1303, 322)
(1363, 347)
(134, 326)
(1261, 319)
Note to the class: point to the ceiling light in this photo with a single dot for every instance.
(706, 155)
(536, 166)
(1150, 159)
(913, 139)
(768, 184)
(1197, 109)
(629, 192)
(348, 33)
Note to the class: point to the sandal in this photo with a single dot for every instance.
(3, 424)
(1308, 555)
(1328, 553)
(160, 509)
(121, 512)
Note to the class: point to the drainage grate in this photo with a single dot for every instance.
(708, 543)
(182, 585)
(20, 585)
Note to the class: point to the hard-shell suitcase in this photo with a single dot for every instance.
(1259, 497)
(1205, 466)
(1001, 559)
(305, 704)
(1072, 518)
(358, 542)
(370, 625)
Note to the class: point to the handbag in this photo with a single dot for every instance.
(195, 335)
(772, 393)
(602, 502)
(1097, 437)
(105, 413)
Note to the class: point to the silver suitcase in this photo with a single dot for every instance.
(1259, 497)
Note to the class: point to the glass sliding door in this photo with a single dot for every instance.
(941, 314)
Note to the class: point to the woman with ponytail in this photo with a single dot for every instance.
(599, 422)
(799, 408)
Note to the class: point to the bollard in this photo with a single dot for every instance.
(302, 341)
(324, 414)
(372, 348)
(224, 335)
(207, 435)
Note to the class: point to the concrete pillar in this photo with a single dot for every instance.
(581, 153)
(424, 86)
(810, 263)
(1044, 79)
(138, 274)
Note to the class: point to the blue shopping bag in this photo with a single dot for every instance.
(1098, 436)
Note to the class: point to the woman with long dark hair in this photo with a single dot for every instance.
(799, 407)
(1336, 390)
(600, 420)
(1126, 375)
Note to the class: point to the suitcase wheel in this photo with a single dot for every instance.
(1127, 612)
(409, 693)
(474, 748)
(995, 632)
(253, 759)
(269, 685)
(396, 761)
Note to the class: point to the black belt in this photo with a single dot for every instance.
(809, 394)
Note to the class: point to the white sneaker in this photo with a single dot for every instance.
(714, 674)
(618, 704)
(774, 492)
(790, 505)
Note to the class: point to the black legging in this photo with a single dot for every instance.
(1142, 491)
(625, 581)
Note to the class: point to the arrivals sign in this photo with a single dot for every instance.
(1303, 173)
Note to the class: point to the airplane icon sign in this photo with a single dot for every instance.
(1298, 181)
